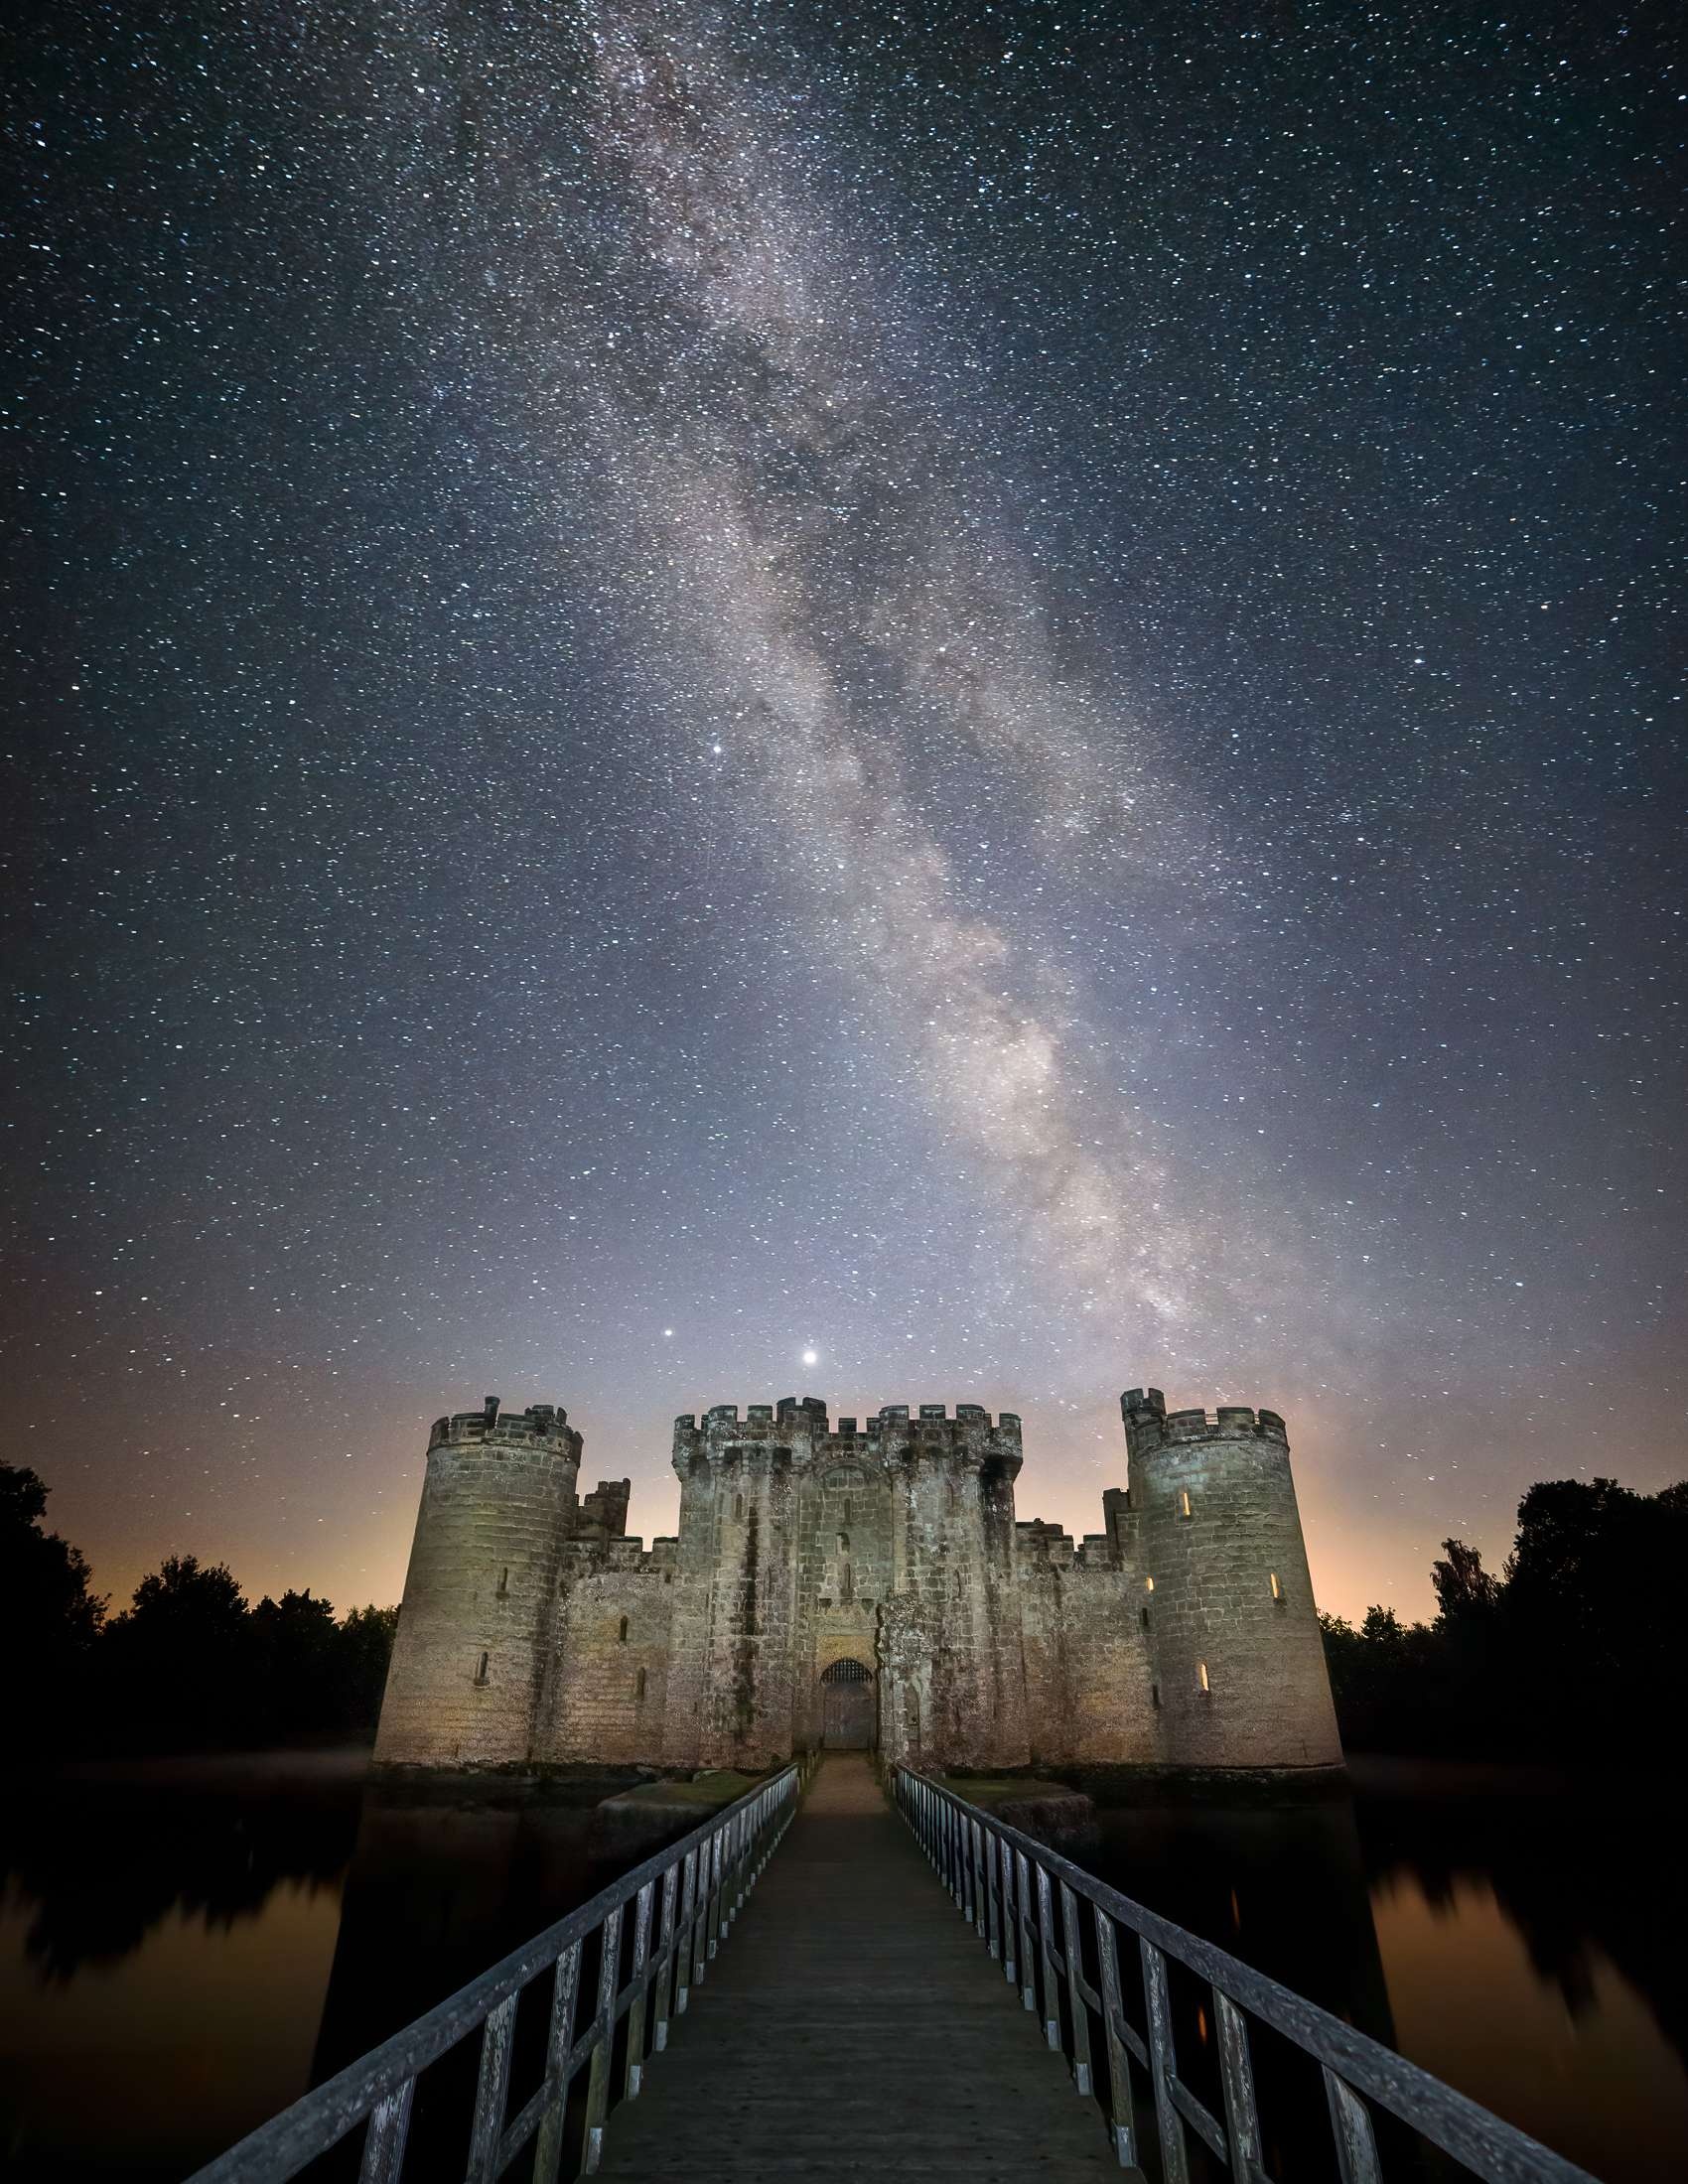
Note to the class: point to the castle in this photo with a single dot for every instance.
(868, 1587)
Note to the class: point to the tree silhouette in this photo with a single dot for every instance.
(179, 1664)
(49, 1616)
(1568, 1654)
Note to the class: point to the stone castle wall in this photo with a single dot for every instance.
(607, 1688)
(1183, 1634)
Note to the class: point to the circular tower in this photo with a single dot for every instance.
(499, 1499)
(1235, 1654)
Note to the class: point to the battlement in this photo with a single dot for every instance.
(590, 1552)
(1150, 1426)
(544, 1425)
(723, 1417)
(930, 1416)
(605, 1509)
(1046, 1545)
(931, 1422)
(1043, 1543)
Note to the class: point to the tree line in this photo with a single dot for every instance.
(187, 1666)
(1577, 1650)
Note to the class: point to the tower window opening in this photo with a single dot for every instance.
(738, 1505)
(1143, 1617)
(481, 1670)
(504, 1584)
(639, 1685)
(1277, 1588)
(622, 1633)
(1201, 1676)
(1155, 1697)
(1148, 1585)
(1183, 1508)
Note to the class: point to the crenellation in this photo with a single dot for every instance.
(1183, 1633)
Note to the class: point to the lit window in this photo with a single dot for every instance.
(1277, 1588)
(1184, 1503)
(1148, 1585)
(1201, 1675)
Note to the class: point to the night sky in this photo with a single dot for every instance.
(988, 692)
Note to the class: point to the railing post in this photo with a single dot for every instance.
(1236, 2074)
(723, 1889)
(564, 1990)
(1046, 1951)
(1022, 1889)
(602, 2042)
(1163, 2066)
(708, 1890)
(1078, 2007)
(993, 1892)
(1350, 2124)
(641, 1980)
(1122, 2105)
(1009, 1924)
(383, 2143)
(667, 1958)
(724, 1906)
(686, 1950)
(491, 2091)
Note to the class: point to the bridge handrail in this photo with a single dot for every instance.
(1008, 1892)
(704, 1880)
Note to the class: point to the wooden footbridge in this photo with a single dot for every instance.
(833, 2044)
(1012, 2017)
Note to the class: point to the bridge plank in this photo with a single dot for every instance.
(854, 2026)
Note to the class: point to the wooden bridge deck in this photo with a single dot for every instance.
(854, 2026)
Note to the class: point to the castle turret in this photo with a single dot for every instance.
(1235, 1654)
(731, 1692)
(498, 1502)
(949, 1636)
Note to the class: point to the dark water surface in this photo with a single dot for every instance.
(185, 1948)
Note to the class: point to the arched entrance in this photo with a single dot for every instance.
(847, 1694)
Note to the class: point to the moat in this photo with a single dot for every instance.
(183, 1949)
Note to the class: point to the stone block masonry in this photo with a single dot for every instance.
(1182, 1635)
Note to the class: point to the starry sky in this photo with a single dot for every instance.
(987, 691)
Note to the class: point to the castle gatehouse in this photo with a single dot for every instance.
(864, 1585)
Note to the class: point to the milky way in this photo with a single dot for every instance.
(985, 692)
